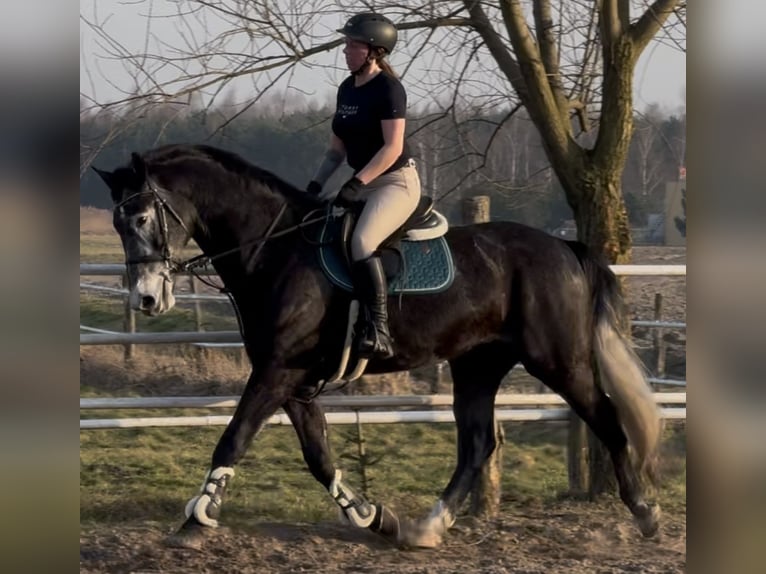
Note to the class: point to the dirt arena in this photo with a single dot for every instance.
(567, 537)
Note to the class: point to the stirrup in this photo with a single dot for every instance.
(374, 347)
(340, 379)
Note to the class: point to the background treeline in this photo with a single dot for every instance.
(450, 149)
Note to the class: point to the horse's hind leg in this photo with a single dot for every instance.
(577, 385)
(310, 425)
(476, 377)
(265, 392)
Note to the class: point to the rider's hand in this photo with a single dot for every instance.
(314, 188)
(349, 193)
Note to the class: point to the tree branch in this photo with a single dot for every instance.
(434, 23)
(541, 103)
(546, 39)
(507, 64)
(610, 23)
(649, 24)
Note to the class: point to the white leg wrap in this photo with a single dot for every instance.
(209, 493)
(355, 508)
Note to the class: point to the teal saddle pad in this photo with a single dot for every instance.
(427, 265)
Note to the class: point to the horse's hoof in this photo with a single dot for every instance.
(189, 537)
(415, 535)
(648, 521)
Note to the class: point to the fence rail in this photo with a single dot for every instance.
(353, 414)
(113, 338)
(179, 296)
(348, 418)
(232, 338)
(343, 401)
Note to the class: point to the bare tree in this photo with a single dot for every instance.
(645, 140)
(570, 64)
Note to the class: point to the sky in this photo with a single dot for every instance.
(660, 76)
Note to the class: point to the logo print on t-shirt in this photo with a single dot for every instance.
(344, 110)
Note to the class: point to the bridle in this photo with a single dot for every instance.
(161, 207)
(173, 266)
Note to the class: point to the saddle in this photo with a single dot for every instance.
(425, 223)
(416, 257)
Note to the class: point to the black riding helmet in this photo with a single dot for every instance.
(373, 29)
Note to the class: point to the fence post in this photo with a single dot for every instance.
(128, 320)
(485, 495)
(436, 385)
(659, 337)
(362, 454)
(577, 455)
(197, 313)
(197, 306)
(600, 469)
(476, 209)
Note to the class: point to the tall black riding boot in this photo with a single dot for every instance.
(370, 284)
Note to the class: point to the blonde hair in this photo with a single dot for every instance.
(379, 54)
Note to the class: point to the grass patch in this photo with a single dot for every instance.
(135, 475)
(101, 248)
(105, 312)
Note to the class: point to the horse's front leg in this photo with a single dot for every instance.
(265, 392)
(310, 425)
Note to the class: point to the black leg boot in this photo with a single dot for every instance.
(370, 284)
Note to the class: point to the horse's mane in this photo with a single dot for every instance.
(229, 162)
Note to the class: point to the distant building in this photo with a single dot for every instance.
(661, 228)
(655, 226)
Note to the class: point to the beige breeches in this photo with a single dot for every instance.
(392, 198)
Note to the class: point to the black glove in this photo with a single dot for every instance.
(349, 193)
(314, 188)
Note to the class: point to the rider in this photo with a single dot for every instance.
(368, 130)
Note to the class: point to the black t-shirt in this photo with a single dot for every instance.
(358, 115)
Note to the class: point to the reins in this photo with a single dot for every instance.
(199, 261)
(203, 260)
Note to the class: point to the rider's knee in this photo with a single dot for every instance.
(362, 247)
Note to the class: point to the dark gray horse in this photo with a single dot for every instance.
(519, 295)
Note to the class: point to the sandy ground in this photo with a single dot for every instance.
(568, 536)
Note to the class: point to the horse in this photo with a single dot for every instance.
(519, 295)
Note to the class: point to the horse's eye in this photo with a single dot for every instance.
(141, 221)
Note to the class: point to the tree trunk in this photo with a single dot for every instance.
(603, 226)
(601, 217)
(591, 178)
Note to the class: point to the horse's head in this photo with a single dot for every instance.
(151, 228)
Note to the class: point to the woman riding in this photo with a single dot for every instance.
(368, 131)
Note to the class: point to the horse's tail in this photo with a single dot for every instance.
(621, 373)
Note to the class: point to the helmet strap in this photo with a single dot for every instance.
(367, 63)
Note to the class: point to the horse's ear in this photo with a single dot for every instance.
(111, 180)
(139, 166)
